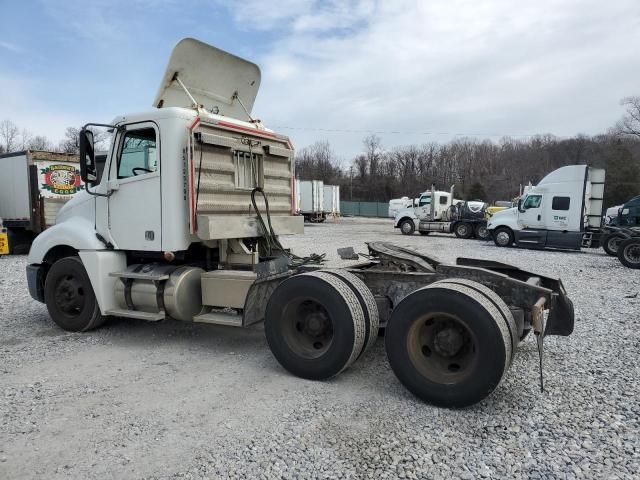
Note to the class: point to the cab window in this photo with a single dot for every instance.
(424, 201)
(560, 203)
(443, 200)
(138, 155)
(533, 201)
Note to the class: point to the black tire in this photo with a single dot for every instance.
(424, 233)
(407, 226)
(367, 303)
(448, 344)
(69, 296)
(497, 301)
(503, 237)
(629, 253)
(315, 326)
(481, 232)
(463, 230)
(611, 242)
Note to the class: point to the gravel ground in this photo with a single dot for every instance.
(174, 400)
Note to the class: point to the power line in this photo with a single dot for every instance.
(404, 132)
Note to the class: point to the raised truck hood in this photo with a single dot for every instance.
(216, 80)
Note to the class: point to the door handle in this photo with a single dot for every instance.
(539, 217)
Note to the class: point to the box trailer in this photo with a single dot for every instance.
(34, 185)
(331, 200)
(310, 200)
(190, 232)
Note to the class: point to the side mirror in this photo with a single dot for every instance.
(520, 208)
(88, 169)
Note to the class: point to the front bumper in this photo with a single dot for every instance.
(35, 282)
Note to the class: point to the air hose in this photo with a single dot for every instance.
(272, 244)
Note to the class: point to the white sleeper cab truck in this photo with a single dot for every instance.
(184, 225)
(564, 210)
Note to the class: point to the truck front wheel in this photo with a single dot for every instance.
(407, 227)
(69, 296)
(503, 237)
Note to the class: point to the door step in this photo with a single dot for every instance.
(219, 318)
(148, 316)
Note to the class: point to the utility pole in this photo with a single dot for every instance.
(351, 186)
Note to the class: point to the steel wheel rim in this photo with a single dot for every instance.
(614, 243)
(307, 328)
(482, 232)
(502, 238)
(406, 227)
(632, 253)
(69, 296)
(442, 348)
(463, 230)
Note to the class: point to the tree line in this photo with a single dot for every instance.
(479, 169)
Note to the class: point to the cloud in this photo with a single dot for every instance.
(13, 48)
(459, 66)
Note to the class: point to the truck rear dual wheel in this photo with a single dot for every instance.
(481, 232)
(316, 325)
(463, 230)
(611, 242)
(69, 296)
(629, 252)
(449, 343)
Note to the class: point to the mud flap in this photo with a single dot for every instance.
(561, 316)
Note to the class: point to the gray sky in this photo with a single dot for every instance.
(426, 70)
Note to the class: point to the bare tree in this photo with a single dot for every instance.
(70, 142)
(40, 142)
(25, 139)
(9, 135)
(629, 124)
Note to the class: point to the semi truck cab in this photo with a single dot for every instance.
(562, 211)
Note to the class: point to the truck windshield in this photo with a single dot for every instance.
(424, 201)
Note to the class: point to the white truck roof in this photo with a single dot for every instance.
(217, 80)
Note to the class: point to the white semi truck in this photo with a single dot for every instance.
(183, 224)
(439, 211)
(564, 210)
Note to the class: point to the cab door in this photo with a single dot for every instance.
(423, 211)
(531, 222)
(134, 206)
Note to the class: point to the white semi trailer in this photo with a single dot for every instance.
(310, 200)
(184, 222)
(34, 185)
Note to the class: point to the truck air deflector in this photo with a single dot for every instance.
(219, 81)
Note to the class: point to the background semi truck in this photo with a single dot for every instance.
(564, 210)
(184, 224)
(439, 211)
(34, 185)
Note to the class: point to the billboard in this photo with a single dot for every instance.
(59, 179)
